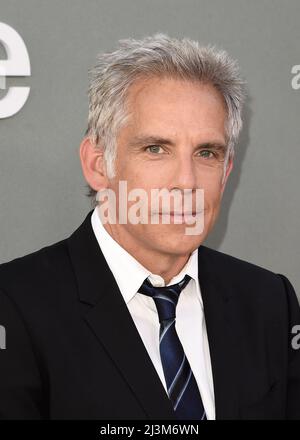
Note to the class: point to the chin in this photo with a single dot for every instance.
(180, 245)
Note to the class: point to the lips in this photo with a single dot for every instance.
(180, 213)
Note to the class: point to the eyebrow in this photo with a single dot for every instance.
(138, 140)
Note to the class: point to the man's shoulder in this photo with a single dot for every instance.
(34, 268)
(230, 260)
(242, 274)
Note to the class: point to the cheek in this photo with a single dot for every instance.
(141, 178)
(131, 171)
(212, 196)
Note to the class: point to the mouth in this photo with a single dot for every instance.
(180, 213)
(173, 214)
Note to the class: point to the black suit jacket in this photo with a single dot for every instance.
(73, 351)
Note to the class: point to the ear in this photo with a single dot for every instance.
(93, 165)
(228, 171)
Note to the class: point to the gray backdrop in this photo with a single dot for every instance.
(42, 191)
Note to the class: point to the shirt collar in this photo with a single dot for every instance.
(122, 263)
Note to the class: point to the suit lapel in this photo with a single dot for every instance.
(109, 319)
(218, 304)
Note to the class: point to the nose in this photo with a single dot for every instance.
(184, 174)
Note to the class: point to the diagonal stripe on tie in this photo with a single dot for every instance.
(163, 330)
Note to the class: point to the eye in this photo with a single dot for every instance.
(154, 148)
(206, 154)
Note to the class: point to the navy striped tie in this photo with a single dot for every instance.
(181, 384)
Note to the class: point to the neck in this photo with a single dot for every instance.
(166, 265)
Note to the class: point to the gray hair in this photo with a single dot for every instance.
(152, 56)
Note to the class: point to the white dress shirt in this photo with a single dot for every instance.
(190, 323)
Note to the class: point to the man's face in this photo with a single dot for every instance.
(175, 138)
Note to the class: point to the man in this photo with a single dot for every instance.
(138, 319)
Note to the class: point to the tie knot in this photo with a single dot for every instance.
(165, 298)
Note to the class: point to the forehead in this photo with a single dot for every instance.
(172, 104)
(171, 90)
